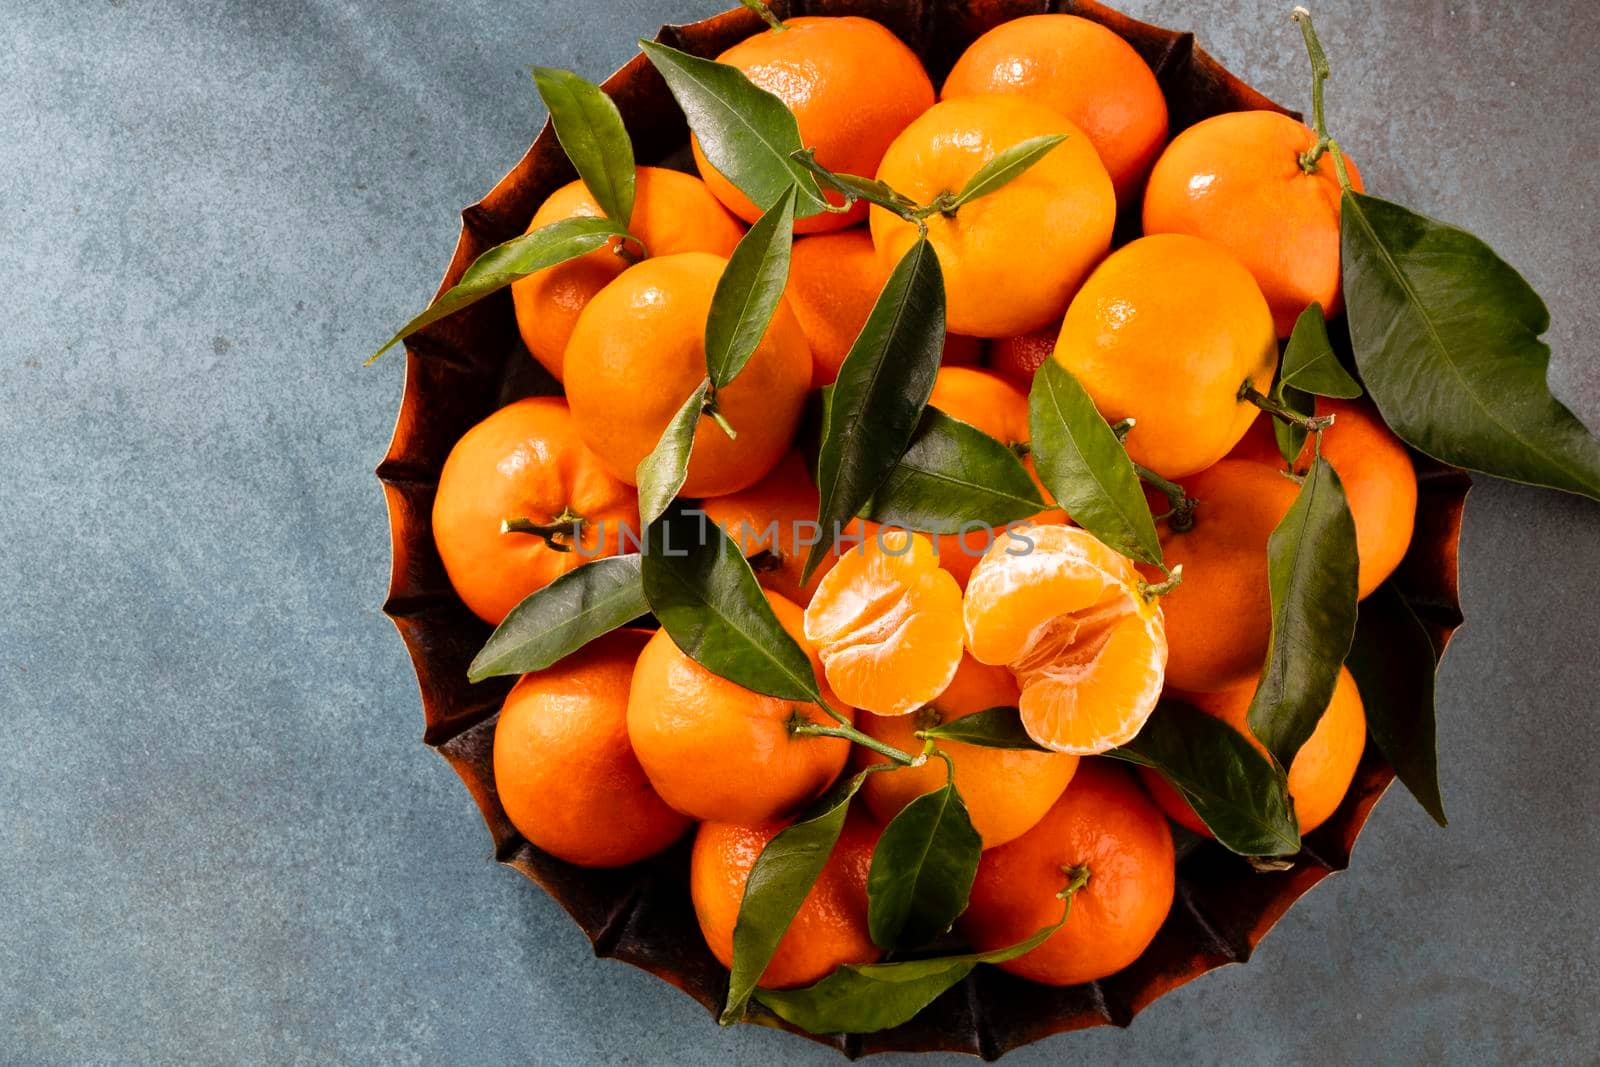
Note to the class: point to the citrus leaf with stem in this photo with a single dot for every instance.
(854, 187)
(1235, 790)
(505, 263)
(1003, 167)
(1310, 368)
(1311, 576)
(746, 133)
(706, 597)
(748, 292)
(1394, 662)
(952, 478)
(590, 129)
(999, 727)
(1084, 466)
(550, 623)
(922, 870)
(877, 402)
(661, 474)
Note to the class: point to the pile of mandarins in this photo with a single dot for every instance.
(615, 751)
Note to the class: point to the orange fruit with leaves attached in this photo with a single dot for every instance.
(1320, 773)
(1017, 359)
(1012, 258)
(563, 768)
(886, 622)
(525, 461)
(672, 212)
(829, 930)
(773, 522)
(1006, 791)
(1084, 71)
(1072, 621)
(1165, 332)
(1236, 179)
(982, 399)
(834, 279)
(1219, 618)
(1103, 823)
(719, 752)
(1379, 479)
(637, 354)
(851, 85)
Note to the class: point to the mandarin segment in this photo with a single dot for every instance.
(719, 752)
(886, 621)
(525, 461)
(1070, 618)
(1006, 791)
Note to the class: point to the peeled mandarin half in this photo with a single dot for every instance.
(1069, 617)
(886, 621)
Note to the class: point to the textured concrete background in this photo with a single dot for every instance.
(221, 840)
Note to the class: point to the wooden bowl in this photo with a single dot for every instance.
(468, 365)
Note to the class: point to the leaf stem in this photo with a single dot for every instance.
(766, 14)
(1181, 517)
(1077, 878)
(1308, 423)
(799, 727)
(566, 524)
(1319, 75)
(710, 408)
(1153, 590)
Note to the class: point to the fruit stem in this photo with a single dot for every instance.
(1308, 423)
(1122, 429)
(565, 524)
(800, 727)
(1181, 517)
(766, 14)
(710, 408)
(1154, 590)
(1077, 878)
(1319, 74)
(623, 251)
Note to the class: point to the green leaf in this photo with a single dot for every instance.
(1446, 336)
(1237, 792)
(865, 998)
(505, 263)
(660, 474)
(1310, 369)
(749, 291)
(1084, 466)
(782, 876)
(706, 598)
(561, 618)
(991, 728)
(883, 386)
(922, 870)
(1311, 571)
(854, 187)
(1393, 662)
(1005, 166)
(591, 133)
(745, 132)
(953, 478)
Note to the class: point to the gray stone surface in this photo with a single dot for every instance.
(221, 840)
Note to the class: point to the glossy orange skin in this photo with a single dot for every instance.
(834, 279)
(786, 497)
(719, 752)
(851, 84)
(1105, 822)
(1006, 791)
(638, 352)
(563, 768)
(672, 212)
(1219, 619)
(1011, 259)
(1379, 481)
(1165, 332)
(1320, 773)
(523, 461)
(985, 400)
(1084, 71)
(828, 931)
(1017, 359)
(1235, 179)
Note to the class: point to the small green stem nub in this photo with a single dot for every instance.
(623, 250)
(1308, 423)
(1319, 75)
(1077, 878)
(1181, 517)
(1153, 590)
(710, 408)
(566, 524)
(766, 14)
(803, 728)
